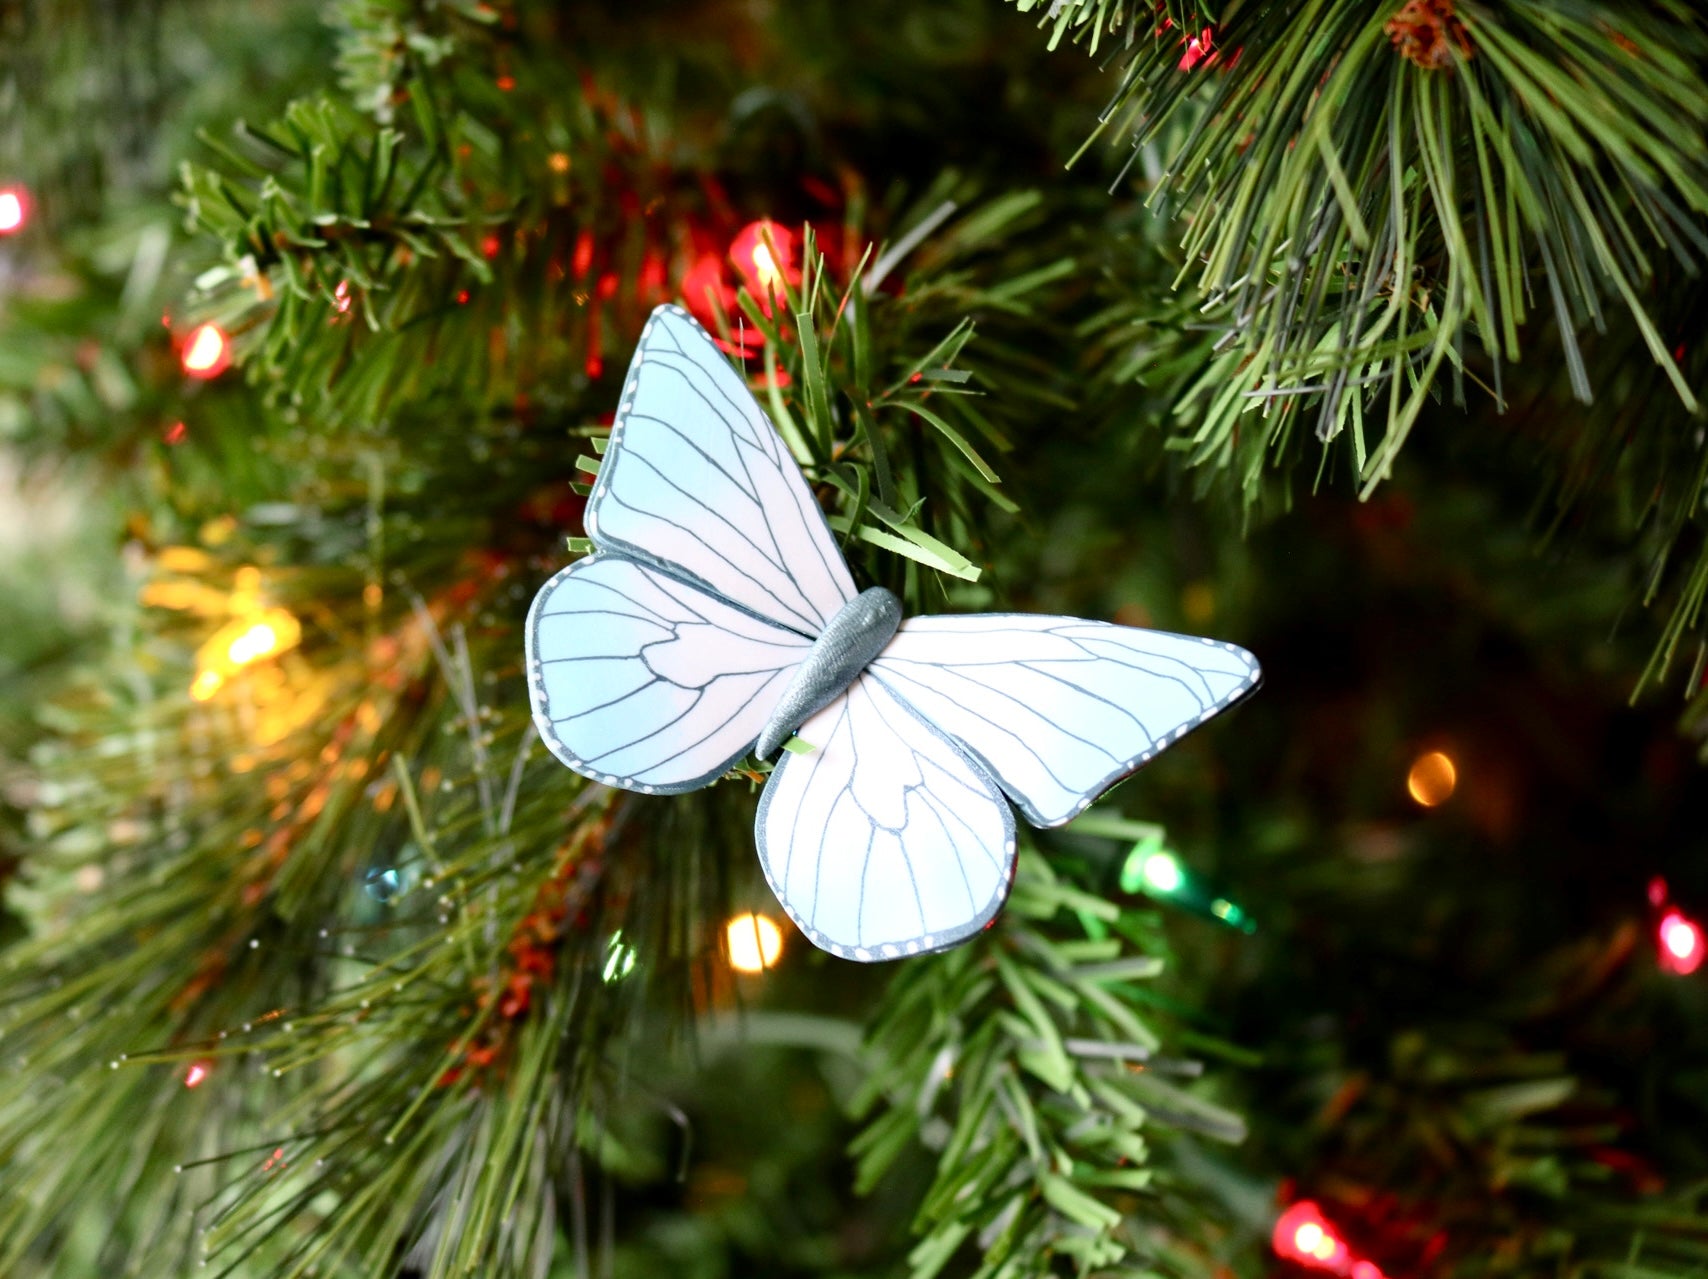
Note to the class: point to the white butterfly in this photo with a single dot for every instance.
(716, 612)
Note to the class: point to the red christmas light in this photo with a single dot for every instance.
(582, 259)
(1199, 48)
(1681, 943)
(207, 352)
(1304, 1236)
(764, 253)
(197, 1072)
(704, 288)
(14, 209)
(711, 301)
(595, 344)
(652, 276)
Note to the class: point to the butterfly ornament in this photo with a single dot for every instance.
(716, 616)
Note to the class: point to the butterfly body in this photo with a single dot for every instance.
(717, 616)
(842, 650)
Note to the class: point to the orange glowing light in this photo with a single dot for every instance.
(755, 943)
(1433, 779)
(206, 685)
(207, 352)
(1682, 945)
(195, 1074)
(14, 210)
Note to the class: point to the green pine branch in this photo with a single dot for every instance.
(1026, 1063)
(1363, 237)
(1358, 227)
(346, 870)
(1089, 22)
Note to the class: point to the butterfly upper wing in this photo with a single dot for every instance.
(1058, 709)
(643, 681)
(886, 839)
(697, 480)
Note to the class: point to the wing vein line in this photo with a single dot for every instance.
(749, 490)
(758, 585)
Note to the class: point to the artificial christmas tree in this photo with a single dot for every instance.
(313, 323)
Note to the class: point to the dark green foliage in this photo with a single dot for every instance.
(1348, 227)
(1362, 237)
(449, 1010)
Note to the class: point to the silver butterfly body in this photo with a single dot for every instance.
(717, 613)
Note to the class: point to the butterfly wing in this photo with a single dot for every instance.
(886, 839)
(1055, 708)
(643, 681)
(697, 481)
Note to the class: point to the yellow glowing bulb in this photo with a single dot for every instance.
(1309, 1237)
(755, 943)
(254, 644)
(1432, 779)
(240, 643)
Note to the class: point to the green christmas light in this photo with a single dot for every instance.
(1161, 872)
(619, 958)
(1232, 915)
(1151, 868)
(1156, 871)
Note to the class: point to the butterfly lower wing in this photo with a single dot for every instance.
(643, 681)
(697, 479)
(886, 839)
(1058, 709)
